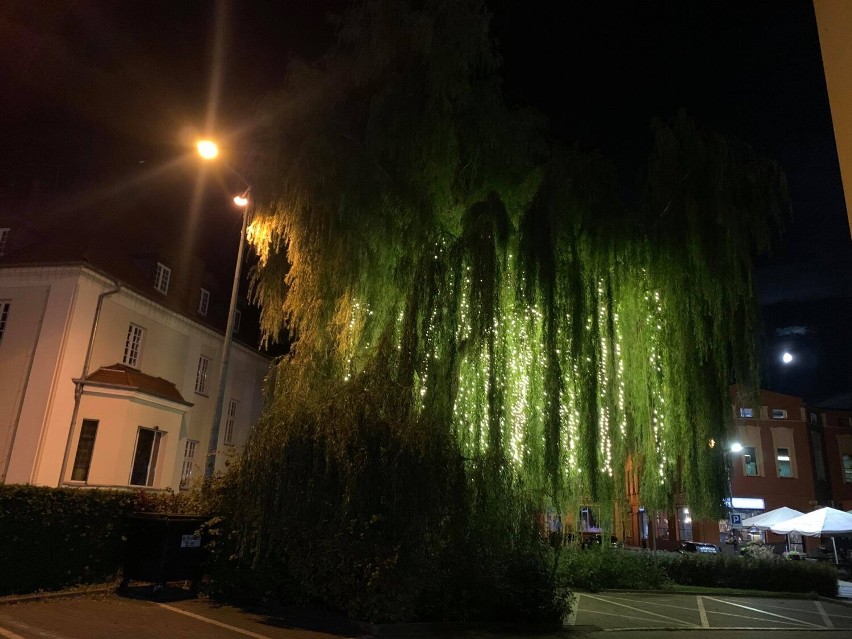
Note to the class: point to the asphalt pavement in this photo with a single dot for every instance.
(596, 615)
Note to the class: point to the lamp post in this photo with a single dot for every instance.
(733, 449)
(209, 151)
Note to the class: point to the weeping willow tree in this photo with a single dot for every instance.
(480, 294)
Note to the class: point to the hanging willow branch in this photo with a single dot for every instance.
(447, 274)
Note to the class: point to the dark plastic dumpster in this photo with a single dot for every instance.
(163, 547)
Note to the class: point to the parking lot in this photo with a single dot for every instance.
(632, 611)
(605, 615)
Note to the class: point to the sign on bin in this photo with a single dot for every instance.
(190, 541)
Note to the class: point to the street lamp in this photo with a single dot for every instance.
(208, 150)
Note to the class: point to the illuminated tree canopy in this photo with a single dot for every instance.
(448, 271)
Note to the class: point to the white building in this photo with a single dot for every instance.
(112, 382)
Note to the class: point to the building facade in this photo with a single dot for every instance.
(789, 454)
(110, 366)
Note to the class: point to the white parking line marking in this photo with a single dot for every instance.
(620, 616)
(8, 634)
(702, 613)
(646, 612)
(825, 618)
(766, 612)
(213, 622)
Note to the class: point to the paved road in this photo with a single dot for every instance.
(655, 612)
(598, 616)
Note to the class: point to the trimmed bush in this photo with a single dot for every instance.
(53, 538)
(726, 571)
(599, 568)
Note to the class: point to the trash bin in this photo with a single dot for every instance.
(163, 547)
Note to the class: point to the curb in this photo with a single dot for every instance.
(58, 594)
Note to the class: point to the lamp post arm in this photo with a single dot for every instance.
(210, 462)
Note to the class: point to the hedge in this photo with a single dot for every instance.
(52, 538)
(598, 569)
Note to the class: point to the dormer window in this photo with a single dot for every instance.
(162, 277)
(203, 302)
(4, 240)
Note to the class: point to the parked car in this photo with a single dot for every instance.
(698, 546)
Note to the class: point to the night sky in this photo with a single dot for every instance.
(93, 89)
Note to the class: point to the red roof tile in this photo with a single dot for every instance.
(121, 375)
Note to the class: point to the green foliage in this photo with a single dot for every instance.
(482, 328)
(727, 571)
(58, 537)
(600, 568)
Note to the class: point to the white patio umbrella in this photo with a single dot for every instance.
(825, 521)
(769, 519)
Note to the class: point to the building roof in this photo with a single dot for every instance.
(123, 376)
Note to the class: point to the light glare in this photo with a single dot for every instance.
(207, 149)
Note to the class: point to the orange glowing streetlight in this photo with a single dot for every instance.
(207, 149)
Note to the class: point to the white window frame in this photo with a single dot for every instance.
(238, 316)
(188, 465)
(204, 302)
(5, 305)
(202, 373)
(230, 421)
(778, 413)
(746, 412)
(153, 456)
(162, 278)
(4, 239)
(133, 345)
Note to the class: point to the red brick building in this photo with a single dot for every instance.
(788, 454)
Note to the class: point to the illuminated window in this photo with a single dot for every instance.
(85, 450)
(779, 413)
(782, 458)
(4, 317)
(4, 239)
(188, 462)
(746, 412)
(750, 461)
(162, 277)
(684, 524)
(145, 457)
(847, 469)
(133, 345)
(203, 302)
(229, 423)
(201, 374)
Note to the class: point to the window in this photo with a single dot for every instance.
(201, 375)
(237, 319)
(782, 458)
(229, 423)
(750, 461)
(4, 239)
(162, 277)
(746, 412)
(847, 469)
(813, 418)
(133, 345)
(779, 413)
(4, 317)
(684, 521)
(145, 457)
(85, 450)
(188, 462)
(204, 302)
